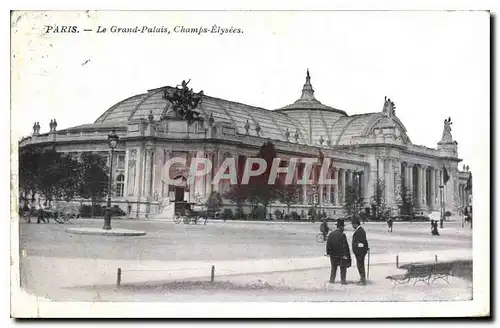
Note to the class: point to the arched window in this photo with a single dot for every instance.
(120, 184)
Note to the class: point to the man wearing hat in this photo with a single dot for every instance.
(338, 250)
(359, 248)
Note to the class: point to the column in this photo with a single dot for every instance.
(372, 181)
(304, 186)
(329, 187)
(359, 185)
(158, 173)
(367, 188)
(199, 181)
(407, 176)
(362, 185)
(432, 203)
(209, 155)
(380, 169)
(131, 172)
(342, 187)
(463, 196)
(304, 195)
(437, 182)
(139, 174)
(148, 172)
(387, 164)
(425, 185)
(389, 187)
(423, 191)
(192, 184)
(336, 186)
(217, 162)
(411, 183)
(165, 187)
(320, 194)
(418, 198)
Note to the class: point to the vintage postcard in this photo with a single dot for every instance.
(197, 164)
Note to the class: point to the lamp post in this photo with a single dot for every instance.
(113, 142)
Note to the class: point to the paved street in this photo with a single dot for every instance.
(226, 241)
(254, 261)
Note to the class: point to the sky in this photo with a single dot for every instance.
(433, 65)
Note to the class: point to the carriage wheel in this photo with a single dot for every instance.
(177, 218)
(60, 218)
(320, 238)
(185, 219)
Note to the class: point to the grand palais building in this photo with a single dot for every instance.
(362, 148)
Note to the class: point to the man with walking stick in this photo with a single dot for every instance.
(360, 249)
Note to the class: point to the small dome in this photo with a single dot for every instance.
(308, 101)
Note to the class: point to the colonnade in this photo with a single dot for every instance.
(145, 167)
(418, 181)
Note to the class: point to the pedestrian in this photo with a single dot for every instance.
(324, 229)
(390, 223)
(40, 213)
(359, 248)
(28, 210)
(337, 248)
(434, 228)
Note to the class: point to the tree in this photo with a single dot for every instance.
(56, 175)
(289, 194)
(354, 203)
(70, 178)
(29, 172)
(258, 190)
(237, 194)
(404, 200)
(378, 200)
(94, 177)
(214, 202)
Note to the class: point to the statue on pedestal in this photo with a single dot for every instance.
(389, 107)
(447, 131)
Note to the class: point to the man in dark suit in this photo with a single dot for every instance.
(338, 250)
(359, 248)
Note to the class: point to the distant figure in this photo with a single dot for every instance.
(390, 223)
(359, 248)
(40, 213)
(324, 229)
(434, 228)
(337, 248)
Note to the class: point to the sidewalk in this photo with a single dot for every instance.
(46, 275)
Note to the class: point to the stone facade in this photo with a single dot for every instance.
(362, 148)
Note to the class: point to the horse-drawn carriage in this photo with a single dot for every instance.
(192, 213)
(59, 214)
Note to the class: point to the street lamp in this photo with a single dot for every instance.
(113, 142)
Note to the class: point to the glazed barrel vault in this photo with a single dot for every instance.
(363, 148)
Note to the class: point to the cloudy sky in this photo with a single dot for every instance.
(431, 64)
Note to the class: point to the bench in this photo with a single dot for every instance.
(423, 272)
